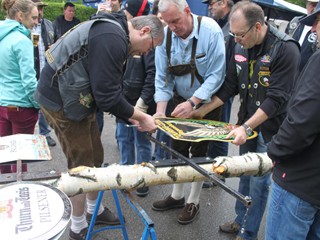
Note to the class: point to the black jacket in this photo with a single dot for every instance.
(138, 80)
(274, 64)
(295, 149)
(61, 26)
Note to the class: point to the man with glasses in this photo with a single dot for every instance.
(138, 89)
(262, 71)
(190, 68)
(83, 72)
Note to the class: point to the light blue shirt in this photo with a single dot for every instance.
(210, 62)
(17, 76)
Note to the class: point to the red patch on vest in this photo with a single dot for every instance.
(240, 58)
(283, 175)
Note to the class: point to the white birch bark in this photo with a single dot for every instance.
(130, 177)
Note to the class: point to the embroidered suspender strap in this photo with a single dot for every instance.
(168, 50)
(194, 70)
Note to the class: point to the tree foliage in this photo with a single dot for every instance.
(55, 9)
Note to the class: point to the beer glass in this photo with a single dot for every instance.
(35, 39)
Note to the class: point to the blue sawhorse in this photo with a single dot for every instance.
(148, 223)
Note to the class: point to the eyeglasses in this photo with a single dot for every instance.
(240, 36)
(152, 45)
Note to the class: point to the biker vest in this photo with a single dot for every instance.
(254, 74)
(68, 58)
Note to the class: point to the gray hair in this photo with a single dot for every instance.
(150, 20)
(165, 4)
(252, 12)
(12, 7)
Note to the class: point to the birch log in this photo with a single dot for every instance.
(85, 179)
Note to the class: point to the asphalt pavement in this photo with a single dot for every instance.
(216, 205)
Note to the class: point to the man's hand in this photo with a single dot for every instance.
(148, 124)
(145, 124)
(240, 135)
(183, 110)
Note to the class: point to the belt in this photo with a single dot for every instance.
(12, 108)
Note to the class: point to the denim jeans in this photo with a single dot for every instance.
(44, 128)
(255, 187)
(289, 217)
(129, 139)
(100, 120)
(159, 152)
(216, 148)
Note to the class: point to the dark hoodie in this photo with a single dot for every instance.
(107, 52)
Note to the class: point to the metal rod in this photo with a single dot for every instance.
(129, 125)
(246, 200)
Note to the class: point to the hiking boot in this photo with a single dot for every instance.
(230, 227)
(106, 218)
(188, 213)
(168, 203)
(142, 192)
(78, 236)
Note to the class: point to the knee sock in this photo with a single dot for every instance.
(91, 204)
(78, 223)
(195, 192)
(178, 191)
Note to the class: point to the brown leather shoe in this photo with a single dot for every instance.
(188, 213)
(106, 217)
(230, 227)
(168, 203)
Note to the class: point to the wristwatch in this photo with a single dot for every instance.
(193, 105)
(248, 129)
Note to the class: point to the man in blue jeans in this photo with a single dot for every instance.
(294, 205)
(138, 89)
(261, 71)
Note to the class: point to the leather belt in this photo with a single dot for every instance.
(12, 108)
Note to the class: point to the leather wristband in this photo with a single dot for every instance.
(193, 105)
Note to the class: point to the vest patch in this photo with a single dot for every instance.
(266, 59)
(86, 100)
(240, 58)
(264, 78)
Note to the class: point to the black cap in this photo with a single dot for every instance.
(309, 20)
(138, 7)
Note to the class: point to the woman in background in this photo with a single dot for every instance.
(18, 109)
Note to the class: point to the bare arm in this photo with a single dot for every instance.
(206, 108)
